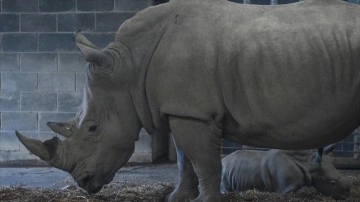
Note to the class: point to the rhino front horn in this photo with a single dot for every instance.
(34, 146)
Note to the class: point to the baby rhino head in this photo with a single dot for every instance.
(326, 178)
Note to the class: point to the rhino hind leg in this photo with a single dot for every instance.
(187, 188)
(202, 147)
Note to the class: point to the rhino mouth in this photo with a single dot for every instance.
(92, 183)
(342, 196)
(89, 184)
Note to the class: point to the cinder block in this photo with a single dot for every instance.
(95, 5)
(25, 121)
(9, 62)
(5, 155)
(131, 5)
(19, 42)
(56, 42)
(20, 158)
(110, 22)
(80, 82)
(38, 62)
(9, 142)
(38, 23)
(69, 102)
(57, 81)
(53, 117)
(17, 158)
(38, 101)
(56, 5)
(71, 62)
(71, 22)
(18, 81)
(101, 39)
(25, 6)
(9, 101)
(9, 22)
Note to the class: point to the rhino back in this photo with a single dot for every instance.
(289, 68)
(267, 71)
(187, 59)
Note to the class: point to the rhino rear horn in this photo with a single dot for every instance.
(34, 146)
(64, 129)
(91, 53)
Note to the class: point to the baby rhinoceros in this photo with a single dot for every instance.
(282, 171)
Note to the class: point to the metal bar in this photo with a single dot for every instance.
(274, 2)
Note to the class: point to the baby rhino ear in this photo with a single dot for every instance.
(90, 51)
(319, 155)
(329, 148)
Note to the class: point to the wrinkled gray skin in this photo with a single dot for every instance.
(281, 171)
(283, 77)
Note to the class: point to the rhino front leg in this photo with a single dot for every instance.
(187, 188)
(201, 145)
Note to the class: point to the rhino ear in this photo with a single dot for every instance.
(90, 51)
(319, 155)
(329, 148)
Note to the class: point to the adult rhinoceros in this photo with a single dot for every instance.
(282, 171)
(272, 76)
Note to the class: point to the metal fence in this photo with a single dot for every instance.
(265, 2)
(345, 156)
(349, 147)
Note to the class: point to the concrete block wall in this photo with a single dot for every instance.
(41, 70)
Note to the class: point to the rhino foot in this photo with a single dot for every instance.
(210, 198)
(182, 196)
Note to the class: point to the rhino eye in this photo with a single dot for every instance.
(92, 128)
(333, 182)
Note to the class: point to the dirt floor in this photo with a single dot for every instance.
(153, 183)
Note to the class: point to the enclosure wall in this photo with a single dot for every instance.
(42, 71)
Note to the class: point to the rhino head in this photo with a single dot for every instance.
(325, 178)
(101, 137)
